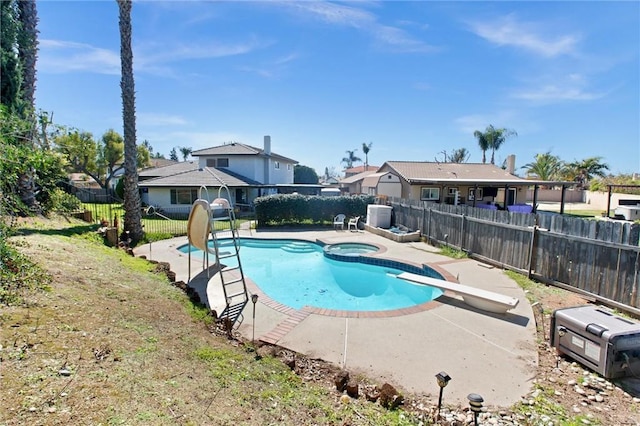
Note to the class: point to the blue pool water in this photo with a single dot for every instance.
(297, 273)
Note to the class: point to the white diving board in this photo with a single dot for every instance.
(478, 298)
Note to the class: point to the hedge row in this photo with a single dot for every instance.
(284, 209)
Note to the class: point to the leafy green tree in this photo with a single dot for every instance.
(304, 174)
(101, 161)
(173, 155)
(132, 202)
(545, 167)
(22, 165)
(350, 158)
(186, 152)
(366, 148)
(492, 139)
(81, 153)
(111, 154)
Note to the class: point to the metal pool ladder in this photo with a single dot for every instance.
(232, 277)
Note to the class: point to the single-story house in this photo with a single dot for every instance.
(476, 184)
(353, 183)
(248, 172)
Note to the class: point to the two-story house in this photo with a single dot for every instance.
(248, 172)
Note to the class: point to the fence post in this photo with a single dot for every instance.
(428, 222)
(462, 233)
(532, 244)
(422, 227)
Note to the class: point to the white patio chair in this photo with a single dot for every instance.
(353, 222)
(338, 221)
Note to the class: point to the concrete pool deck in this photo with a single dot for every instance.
(494, 355)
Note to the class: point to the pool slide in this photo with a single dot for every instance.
(198, 229)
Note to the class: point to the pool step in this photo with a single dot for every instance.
(299, 247)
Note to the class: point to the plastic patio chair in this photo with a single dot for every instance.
(353, 222)
(338, 221)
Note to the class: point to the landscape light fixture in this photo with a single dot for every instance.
(443, 380)
(475, 402)
(254, 300)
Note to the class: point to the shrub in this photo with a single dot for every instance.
(295, 208)
(63, 202)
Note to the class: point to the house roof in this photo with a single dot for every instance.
(169, 170)
(207, 176)
(161, 162)
(373, 179)
(360, 169)
(435, 172)
(357, 177)
(236, 148)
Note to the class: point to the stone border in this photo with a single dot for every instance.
(398, 238)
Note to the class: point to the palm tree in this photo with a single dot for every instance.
(366, 148)
(186, 152)
(498, 138)
(493, 139)
(28, 52)
(545, 167)
(483, 143)
(132, 204)
(350, 158)
(589, 167)
(460, 155)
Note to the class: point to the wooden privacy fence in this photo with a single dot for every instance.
(600, 259)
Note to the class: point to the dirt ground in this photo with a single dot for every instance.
(91, 316)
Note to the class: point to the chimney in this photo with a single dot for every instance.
(267, 145)
(511, 164)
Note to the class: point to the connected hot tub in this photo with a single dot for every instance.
(349, 249)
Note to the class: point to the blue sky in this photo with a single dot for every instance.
(414, 79)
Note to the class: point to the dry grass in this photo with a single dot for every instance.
(114, 343)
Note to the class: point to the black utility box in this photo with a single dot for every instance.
(598, 338)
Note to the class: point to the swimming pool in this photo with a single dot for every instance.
(297, 273)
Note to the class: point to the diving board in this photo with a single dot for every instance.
(476, 297)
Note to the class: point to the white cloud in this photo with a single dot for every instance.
(362, 20)
(59, 56)
(553, 89)
(508, 31)
(399, 39)
(179, 52)
(334, 13)
(554, 93)
(468, 124)
(155, 119)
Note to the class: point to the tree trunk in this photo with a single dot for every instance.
(132, 205)
(28, 52)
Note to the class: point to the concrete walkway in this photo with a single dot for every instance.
(494, 355)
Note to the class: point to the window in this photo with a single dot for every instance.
(276, 164)
(476, 196)
(288, 166)
(430, 193)
(217, 162)
(183, 196)
(452, 190)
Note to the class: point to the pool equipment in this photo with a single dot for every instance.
(379, 216)
(599, 339)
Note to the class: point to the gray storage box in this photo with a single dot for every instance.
(599, 339)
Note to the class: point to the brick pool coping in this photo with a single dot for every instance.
(296, 316)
